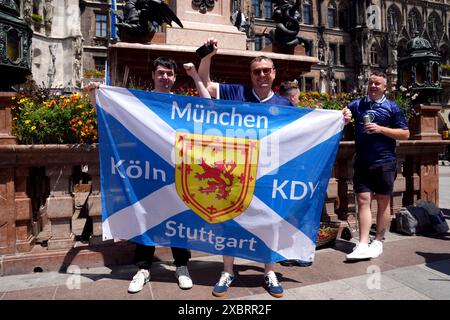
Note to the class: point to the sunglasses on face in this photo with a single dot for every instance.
(265, 71)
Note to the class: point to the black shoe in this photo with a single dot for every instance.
(295, 263)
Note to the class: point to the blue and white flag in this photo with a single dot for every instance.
(224, 177)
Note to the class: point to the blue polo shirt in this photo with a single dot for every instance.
(376, 149)
(242, 93)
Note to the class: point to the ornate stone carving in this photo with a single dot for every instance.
(11, 6)
(77, 62)
(48, 13)
(141, 17)
(287, 15)
(203, 5)
(27, 11)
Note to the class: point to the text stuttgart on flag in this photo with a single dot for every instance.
(224, 177)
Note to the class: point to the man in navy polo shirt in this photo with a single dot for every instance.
(379, 123)
(262, 76)
(262, 72)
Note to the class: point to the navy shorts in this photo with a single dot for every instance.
(379, 179)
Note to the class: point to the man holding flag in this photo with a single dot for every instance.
(262, 73)
(164, 77)
(224, 177)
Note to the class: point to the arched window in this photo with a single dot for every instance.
(343, 17)
(415, 22)
(445, 54)
(374, 54)
(401, 47)
(332, 23)
(36, 6)
(307, 12)
(394, 18)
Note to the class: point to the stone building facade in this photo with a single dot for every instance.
(57, 41)
(349, 37)
(95, 27)
(353, 37)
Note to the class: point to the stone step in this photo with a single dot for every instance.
(83, 255)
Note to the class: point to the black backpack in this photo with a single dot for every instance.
(424, 218)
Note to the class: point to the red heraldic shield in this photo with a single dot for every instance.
(215, 176)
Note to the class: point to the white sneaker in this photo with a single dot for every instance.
(360, 251)
(139, 280)
(376, 248)
(184, 279)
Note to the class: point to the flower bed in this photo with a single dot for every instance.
(40, 117)
(328, 232)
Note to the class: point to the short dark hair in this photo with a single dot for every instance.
(260, 58)
(378, 74)
(287, 86)
(165, 62)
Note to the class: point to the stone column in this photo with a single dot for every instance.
(399, 188)
(60, 207)
(429, 178)
(425, 125)
(344, 172)
(94, 205)
(7, 212)
(199, 26)
(331, 199)
(412, 179)
(24, 213)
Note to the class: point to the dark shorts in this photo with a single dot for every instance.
(379, 179)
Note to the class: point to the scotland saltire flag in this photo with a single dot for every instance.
(224, 177)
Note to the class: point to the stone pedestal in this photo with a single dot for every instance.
(24, 214)
(198, 27)
(94, 206)
(60, 207)
(297, 50)
(5, 118)
(425, 125)
(330, 201)
(7, 212)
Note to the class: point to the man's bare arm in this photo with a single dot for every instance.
(204, 69)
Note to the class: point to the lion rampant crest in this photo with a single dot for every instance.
(215, 176)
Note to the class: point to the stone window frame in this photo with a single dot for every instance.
(256, 8)
(332, 9)
(102, 13)
(38, 7)
(307, 4)
(415, 14)
(438, 26)
(396, 10)
(265, 10)
(374, 54)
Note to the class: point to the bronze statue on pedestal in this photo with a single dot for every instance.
(287, 15)
(142, 17)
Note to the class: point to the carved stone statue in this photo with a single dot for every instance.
(48, 13)
(287, 15)
(142, 17)
(239, 21)
(77, 53)
(27, 11)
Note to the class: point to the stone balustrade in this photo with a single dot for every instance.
(38, 188)
(45, 188)
(50, 201)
